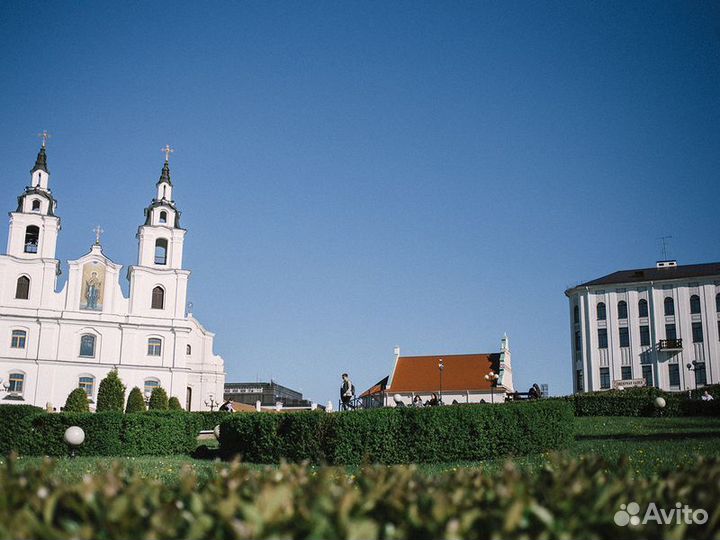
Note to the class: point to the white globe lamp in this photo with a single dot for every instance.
(74, 437)
(660, 402)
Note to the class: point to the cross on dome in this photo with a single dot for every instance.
(167, 150)
(98, 231)
(44, 136)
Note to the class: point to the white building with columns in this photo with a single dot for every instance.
(53, 341)
(650, 326)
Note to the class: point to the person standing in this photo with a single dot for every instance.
(347, 392)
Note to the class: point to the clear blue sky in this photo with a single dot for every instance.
(359, 175)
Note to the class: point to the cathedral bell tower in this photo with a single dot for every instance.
(158, 284)
(34, 226)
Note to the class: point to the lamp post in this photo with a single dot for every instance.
(212, 403)
(441, 367)
(74, 437)
(692, 366)
(492, 378)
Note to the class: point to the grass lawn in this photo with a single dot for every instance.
(650, 445)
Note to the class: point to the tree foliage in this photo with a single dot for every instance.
(158, 399)
(77, 401)
(111, 393)
(135, 401)
(174, 404)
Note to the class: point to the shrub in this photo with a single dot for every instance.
(77, 401)
(111, 393)
(158, 399)
(102, 434)
(399, 435)
(135, 402)
(640, 402)
(15, 427)
(174, 404)
(210, 419)
(159, 433)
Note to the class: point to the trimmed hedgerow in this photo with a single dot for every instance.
(399, 435)
(157, 433)
(102, 434)
(640, 402)
(210, 419)
(15, 427)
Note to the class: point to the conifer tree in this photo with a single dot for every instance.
(135, 402)
(111, 393)
(158, 399)
(77, 401)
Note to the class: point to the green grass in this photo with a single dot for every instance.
(650, 446)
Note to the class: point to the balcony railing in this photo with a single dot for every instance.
(671, 344)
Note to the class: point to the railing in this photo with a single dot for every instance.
(671, 344)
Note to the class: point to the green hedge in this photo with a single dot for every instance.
(34, 432)
(208, 419)
(567, 498)
(399, 435)
(641, 402)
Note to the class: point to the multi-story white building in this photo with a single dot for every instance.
(652, 326)
(53, 341)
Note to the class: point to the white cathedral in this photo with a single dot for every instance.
(52, 342)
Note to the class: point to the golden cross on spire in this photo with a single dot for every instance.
(98, 231)
(44, 136)
(167, 151)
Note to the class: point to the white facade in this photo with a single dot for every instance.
(656, 326)
(53, 341)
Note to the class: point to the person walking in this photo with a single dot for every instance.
(347, 392)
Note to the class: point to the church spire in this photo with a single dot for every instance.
(41, 161)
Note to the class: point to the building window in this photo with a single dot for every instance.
(36, 205)
(161, 251)
(695, 304)
(576, 315)
(626, 373)
(18, 339)
(32, 237)
(624, 336)
(717, 302)
(601, 314)
(578, 341)
(669, 306)
(87, 346)
(697, 332)
(602, 338)
(604, 378)
(622, 309)
(150, 385)
(645, 335)
(647, 374)
(670, 332)
(700, 374)
(154, 346)
(579, 380)
(163, 217)
(674, 375)
(158, 298)
(22, 288)
(87, 383)
(17, 383)
(642, 308)
(188, 350)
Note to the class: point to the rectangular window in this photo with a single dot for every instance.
(87, 384)
(87, 346)
(700, 374)
(647, 375)
(697, 332)
(670, 332)
(18, 339)
(578, 341)
(604, 377)
(674, 375)
(626, 373)
(154, 347)
(645, 336)
(579, 380)
(624, 336)
(602, 338)
(17, 382)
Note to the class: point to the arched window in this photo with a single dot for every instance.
(161, 251)
(158, 298)
(17, 382)
(154, 346)
(18, 340)
(163, 217)
(32, 236)
(643, 308)
(22, 288)
(87, 383)
(149, 386)
(601, 314)
(36, 205)
(622, 309)
(87, 346)
(669, 306)
(695, 304)
(188, 350)
(576, 315)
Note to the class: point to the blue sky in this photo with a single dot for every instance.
(359, 175)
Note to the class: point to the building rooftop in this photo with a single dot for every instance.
(461, 372)
(638, 275)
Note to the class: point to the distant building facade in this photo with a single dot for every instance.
(268, 393)
(651, 326)
(453, 377)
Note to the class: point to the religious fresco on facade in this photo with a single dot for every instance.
(93, 286)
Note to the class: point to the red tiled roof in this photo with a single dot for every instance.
(376, 388)
(461, 372)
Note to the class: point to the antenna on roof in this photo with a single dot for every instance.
(665, 242)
